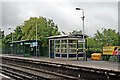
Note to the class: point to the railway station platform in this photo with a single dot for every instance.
(105, 65)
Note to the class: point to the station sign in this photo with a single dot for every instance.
(34, 44)
(108, 50)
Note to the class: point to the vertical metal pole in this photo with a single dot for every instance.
(12, 41)
(49, 47)
(67, 50)
(60, 49)
(36, 39)
(54, 48)
(84, 53)
(77, 49)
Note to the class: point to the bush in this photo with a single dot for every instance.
(93, 50)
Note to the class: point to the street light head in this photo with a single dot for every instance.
(78, 9)
(9, 28)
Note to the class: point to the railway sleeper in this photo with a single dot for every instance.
(55, 74)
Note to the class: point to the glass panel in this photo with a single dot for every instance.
(63, 45)
(57, 50)
(64, 55)
(80, 50)
(57, 46)
(64, 50)
(72, 50)
(57, 42)
(57, 55)
(80, 45)
(72, 55)
(72, 45)
(63, 41)
(72, 41)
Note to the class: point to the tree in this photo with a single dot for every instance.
(103, 38)
(107, 37)
(17, 35)
(1, 34)
(45, 28)
(76, 32)
(27, 31)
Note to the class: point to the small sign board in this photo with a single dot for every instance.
(35, 44)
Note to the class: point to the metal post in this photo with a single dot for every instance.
(36, 39)
(83, 17)
(67, 49)
(77, 48)
(49, 48)
(83, 36)
(54, 48)
(60, 49)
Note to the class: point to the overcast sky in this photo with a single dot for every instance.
(98, 15)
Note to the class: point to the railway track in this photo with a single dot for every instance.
(42, 69)
(35, 72)
(24, 72)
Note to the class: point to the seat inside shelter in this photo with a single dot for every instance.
(67, 46)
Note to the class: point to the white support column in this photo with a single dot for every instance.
(60, 49)
(77, 49)
(54, 49)
(67, 49)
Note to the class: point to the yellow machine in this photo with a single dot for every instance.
(96, 56)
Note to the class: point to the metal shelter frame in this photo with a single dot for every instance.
(66, 46)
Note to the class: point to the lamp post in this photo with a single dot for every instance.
(35, 23)
(36, 39)
(83, 17)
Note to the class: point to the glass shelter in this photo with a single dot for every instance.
(31, 47)
(66, 46)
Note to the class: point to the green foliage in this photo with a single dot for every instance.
(0, 42)
(7, 39)
(1, 34)
(17, 35)
(104, 38)
(44, 28)
(27, 31)
(76, 32)
(107, 37)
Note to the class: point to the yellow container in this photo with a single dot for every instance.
(96, 56)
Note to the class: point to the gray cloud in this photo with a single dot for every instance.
(98, 14)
